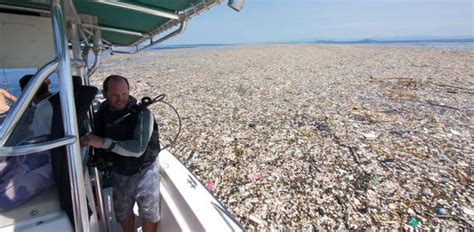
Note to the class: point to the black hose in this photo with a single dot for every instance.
(179, 123)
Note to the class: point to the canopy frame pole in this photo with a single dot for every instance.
(68, 111)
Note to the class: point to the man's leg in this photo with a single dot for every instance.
(123, 202)
(148, 198)
(149, 227)
(128, 223)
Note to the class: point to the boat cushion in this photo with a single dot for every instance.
(42, 204)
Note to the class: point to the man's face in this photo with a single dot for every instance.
(117, 94)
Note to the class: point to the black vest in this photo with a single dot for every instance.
(123, 130)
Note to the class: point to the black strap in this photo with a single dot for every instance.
(144, 103)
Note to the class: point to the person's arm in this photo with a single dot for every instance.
(4, 97)
(136, 146)
(4, 107)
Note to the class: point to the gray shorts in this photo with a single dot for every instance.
(143, 188)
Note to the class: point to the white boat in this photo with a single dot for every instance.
(60, 37)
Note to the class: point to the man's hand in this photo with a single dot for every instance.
(4, 96)
(92, 140)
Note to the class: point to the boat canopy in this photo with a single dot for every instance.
(123, 23)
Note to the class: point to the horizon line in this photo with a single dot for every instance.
(365, 40)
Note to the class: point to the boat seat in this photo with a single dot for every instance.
(83, 96)
(42, 204)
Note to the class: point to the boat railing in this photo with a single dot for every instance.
(34, 148)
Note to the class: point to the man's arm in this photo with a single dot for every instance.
(136, 146)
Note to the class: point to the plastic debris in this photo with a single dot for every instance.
(427, 192)
(210, 185)
(455, 132)
(414, 223)
(370, 136)
(319, 126)
(468, 211)
(256, 220)
(446, 159)
(258, 176)
(375, 180)
(441, 211)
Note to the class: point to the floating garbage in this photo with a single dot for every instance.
(370, 136)
(256, 220)
(468, 211)
(455, 132)
(414, 223)
(210, 185)
(258, 176)
(319, 126)
(320, 138)
(441, 211)
(446, 159)
(375, 180)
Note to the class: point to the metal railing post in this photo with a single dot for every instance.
(77, 54)
(68, 111)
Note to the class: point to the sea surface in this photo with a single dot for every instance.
(446, 46)
(458, 45)
(9, 78)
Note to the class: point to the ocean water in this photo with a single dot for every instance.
(194, 46)
(445, 46)
(448, 45)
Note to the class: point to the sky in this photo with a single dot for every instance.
(263, 21)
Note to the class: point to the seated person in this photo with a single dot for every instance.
(43, 113)
(42, 93)
(22, 177)
(25, 125)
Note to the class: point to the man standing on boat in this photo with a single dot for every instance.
(124, 135)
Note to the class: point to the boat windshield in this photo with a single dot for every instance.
(24, 130)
